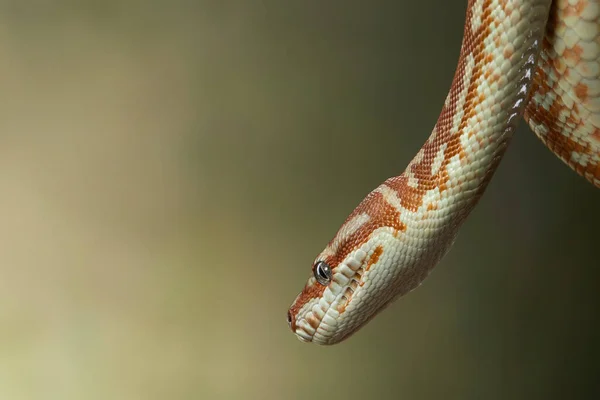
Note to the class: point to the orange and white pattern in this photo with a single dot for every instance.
(564, 111)
(536, 58)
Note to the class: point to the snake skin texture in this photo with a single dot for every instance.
(564, 111)
(532, 58)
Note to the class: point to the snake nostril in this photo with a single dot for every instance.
(290, 319)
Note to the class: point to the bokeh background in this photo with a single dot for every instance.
(169, 170)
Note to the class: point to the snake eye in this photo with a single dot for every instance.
(322, 272)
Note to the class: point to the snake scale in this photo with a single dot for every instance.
(537, 59)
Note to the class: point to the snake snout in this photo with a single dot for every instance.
(290, 320)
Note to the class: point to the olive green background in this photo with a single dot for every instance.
(170, 169)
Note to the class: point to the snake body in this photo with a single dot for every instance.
(537, 59)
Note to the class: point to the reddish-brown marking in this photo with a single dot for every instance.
(374, 257)
(573, 54)
(581, 91)
(497, 41)
(559, 65)
(348, 295)
(313, 321)
(596, 135)
(574, 10)
(401, 226)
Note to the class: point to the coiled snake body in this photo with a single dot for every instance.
(534, 58)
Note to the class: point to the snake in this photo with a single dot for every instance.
(537, 60)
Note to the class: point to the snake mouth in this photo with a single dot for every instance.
(320, 322)
(307, 335)
(303, 336)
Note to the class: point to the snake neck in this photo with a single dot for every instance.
(489, 92)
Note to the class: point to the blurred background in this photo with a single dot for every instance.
(170, 169)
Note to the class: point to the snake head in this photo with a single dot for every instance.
(364, 268)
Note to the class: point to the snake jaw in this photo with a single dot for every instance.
(316, 315)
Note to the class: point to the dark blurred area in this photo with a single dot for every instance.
(170, 169)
